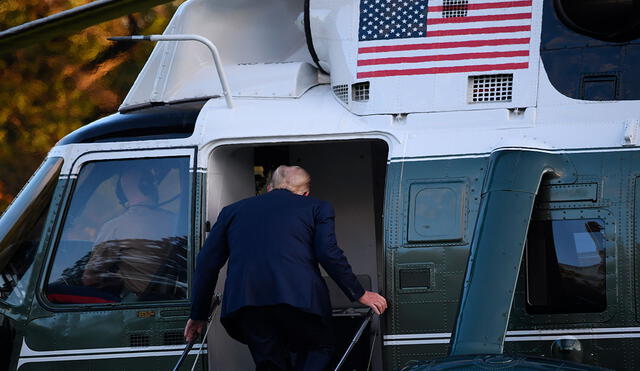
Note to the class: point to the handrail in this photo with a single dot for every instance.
(214, 307)
(188, 37)
(355, 339)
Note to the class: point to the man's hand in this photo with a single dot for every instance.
(193, 329)
(375, 301)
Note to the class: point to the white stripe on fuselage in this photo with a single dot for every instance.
(28, 355)
(521, 335)
(487, 154)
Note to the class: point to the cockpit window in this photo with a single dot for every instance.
(565, 266)
(125, 235)
(21, 228)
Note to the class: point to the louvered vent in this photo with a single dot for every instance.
(139, 340)
(413, 278)
(490, 88)
(342, 92)
(360, 91)
(455, 8)
(173, 338)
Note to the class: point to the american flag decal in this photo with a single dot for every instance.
(400, 38)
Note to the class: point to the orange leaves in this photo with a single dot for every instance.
(54, 87)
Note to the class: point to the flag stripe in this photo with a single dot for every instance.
(506, 4)
(436, 70)
(419, 53)
(476, 13)
(444, 45)
(475, 31)
(458, 26)
(444, 64)
(443, 39)
(479, 18)
(443, 57)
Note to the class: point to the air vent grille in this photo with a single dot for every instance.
(342, 92)
(455, 8)
(360, 91)
(415, 278)
(173, 338)
(139, 340)
(490, 88)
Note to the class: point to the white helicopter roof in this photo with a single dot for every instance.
(462, 100)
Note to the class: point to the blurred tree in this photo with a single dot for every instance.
(52, 88)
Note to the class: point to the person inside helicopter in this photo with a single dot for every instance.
(130, 252)
(127, 251)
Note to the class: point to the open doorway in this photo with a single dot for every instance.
(350, 175)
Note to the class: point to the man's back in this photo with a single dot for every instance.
(275, 300)
(275, 242)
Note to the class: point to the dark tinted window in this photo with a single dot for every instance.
(590, 49)
(125, 235)
(565, 266)
(152, 123)
(21, 229)
(611, 20)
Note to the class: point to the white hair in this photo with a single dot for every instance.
(293, 178)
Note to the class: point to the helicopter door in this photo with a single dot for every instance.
(114, 294)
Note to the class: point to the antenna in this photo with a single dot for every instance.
(188, 37)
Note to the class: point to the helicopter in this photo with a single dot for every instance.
(482, 157)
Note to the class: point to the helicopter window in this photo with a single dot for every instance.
(565, 266)
(22, 225)
(436, 212)
(609, 20)
(125, 235)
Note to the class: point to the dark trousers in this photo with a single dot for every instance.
(283, 338)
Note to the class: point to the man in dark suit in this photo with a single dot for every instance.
(275, 299)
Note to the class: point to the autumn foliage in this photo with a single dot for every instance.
(52, 88)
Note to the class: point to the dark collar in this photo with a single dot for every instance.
(281, 189)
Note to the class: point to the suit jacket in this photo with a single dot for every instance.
(274, 243)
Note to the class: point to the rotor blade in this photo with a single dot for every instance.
(70, 21)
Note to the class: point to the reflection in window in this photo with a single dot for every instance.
(565, 265)
(21, 230)
(125, 235)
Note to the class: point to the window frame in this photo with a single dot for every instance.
(462, 184)
(609, 234)
(452, 236)
(97, 156)
(55, 173)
